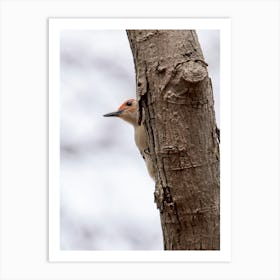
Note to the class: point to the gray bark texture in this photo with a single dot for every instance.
(175, 95)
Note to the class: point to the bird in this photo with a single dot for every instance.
(128, 112)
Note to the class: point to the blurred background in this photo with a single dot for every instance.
(106, 194)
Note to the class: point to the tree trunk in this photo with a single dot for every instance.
(175, 92)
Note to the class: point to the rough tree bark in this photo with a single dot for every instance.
(175, 92)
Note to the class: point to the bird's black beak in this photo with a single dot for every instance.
(113, 114)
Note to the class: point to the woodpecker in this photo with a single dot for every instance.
(128, 112)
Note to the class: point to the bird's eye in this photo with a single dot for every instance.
(128, 103)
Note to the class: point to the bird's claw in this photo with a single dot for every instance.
(147, 151)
